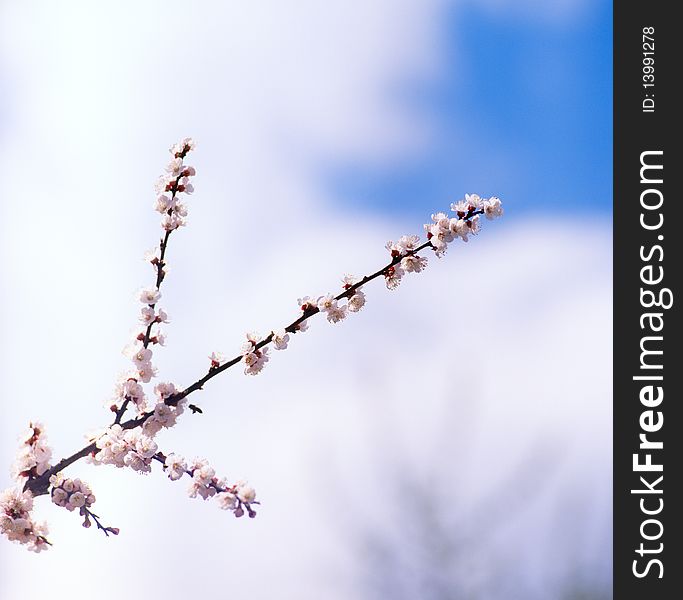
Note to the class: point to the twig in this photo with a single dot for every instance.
(89, 514)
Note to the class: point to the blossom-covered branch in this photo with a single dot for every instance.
(205, 484)
(131, 443)
(175, 181)
(404, 259)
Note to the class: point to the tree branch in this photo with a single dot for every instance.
(39, 485)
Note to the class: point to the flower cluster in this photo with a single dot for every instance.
(254, 358)
(71, 493)
(75, 494)
(176, 180)
(404, 260)
(357, 298)
(445, 229)
(135, 448)
(163, 415)
(33, 456)
(32, 461)
(125, 448)
(16, 522)
(128, 389)
(205, 484)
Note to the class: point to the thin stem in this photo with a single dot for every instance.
(107, 530)
(160, 270)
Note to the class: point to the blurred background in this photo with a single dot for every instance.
(453, 439)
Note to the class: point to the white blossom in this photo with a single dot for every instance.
(473, 201)
(216, 359)
(164, 389)
(392, 276)
(16, 522)
(408, 243)
(202, 479)
(439, 237)
(163, 183)
(175, 167)
(246, 493)
(441, 221)
(180, 209)
(172, 222)
(163, 416)
(336, 313)
(356, 302)
(146, 371)
(152, 255)
(348, 280)
(147, 315)
(138, 462)
(150, 296)
(33, 455)
(470, 203)
(146, 447)
(330, 306)
(182, 147)
(185, 186)
(253, 338)
(413, 263)
(255, 361)
(493, 208)
(127, 387)
(120, 447)
(226, 500)
(280, 339)
(175, 466)
(306, 303)
(112, 448)
(159, 338)
(141, 355)
(326, 303)
(14, 501)
(474, 225)
(163, 203)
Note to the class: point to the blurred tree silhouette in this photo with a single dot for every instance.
(429, 544)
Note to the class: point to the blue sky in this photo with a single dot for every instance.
(528, 117)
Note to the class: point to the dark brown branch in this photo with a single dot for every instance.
(120, 412)
(160, 264)
(89, 514)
